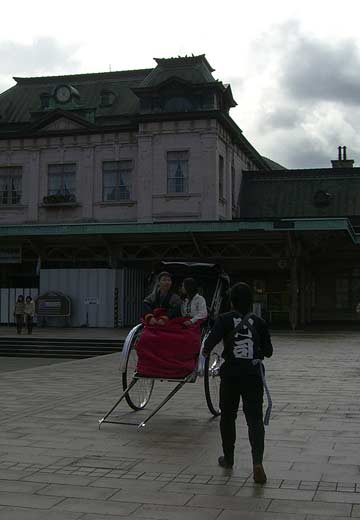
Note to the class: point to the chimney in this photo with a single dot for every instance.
(342, 161)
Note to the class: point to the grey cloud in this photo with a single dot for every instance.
(313, 105)
(317, 70)
(44, 55)
(281, 117)
(308, 153)
(235, 82)
(297, 149)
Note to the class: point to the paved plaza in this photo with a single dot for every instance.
(55, 463)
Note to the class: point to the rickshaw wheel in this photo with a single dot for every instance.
(212, 380)
(140, 394)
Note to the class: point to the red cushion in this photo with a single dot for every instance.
(168, 351)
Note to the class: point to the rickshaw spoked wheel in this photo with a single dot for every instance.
(140, 394)
(212, 380)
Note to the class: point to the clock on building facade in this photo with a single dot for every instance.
(62, 93)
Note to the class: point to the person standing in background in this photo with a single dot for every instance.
(19, 310)
(29, 312)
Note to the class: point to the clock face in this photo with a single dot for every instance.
(63, 94)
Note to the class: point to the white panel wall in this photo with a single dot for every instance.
(99, 284)
(8, 297)
(80, 284)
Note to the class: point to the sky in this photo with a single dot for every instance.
(294, 67)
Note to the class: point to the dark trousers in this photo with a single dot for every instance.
(29, 323)
(251, 390)
(19, 319)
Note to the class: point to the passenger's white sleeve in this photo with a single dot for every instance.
(183, 309)
(199, 309)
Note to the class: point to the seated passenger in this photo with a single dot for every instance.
(194, 305)
(162, 297)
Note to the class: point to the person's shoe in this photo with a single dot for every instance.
(259, 474)
(225, 463)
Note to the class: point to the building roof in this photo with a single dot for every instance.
(322, 192)
(274, 165)
(213, 227)
(23, 114)
(193, 69)
(19, 102)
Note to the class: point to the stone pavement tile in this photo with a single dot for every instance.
(27, 500)
(71, 491)
(295, 475)
(106, 463)
(352, 458)
(103, 507)
(89, 516)
(308, 484)
(328, 469)
(12, 474)
(283, 494)
(241, 515)
(19, 513)
(348, 488)
(18, 486)
(237, 502)
(290, 484)
(327, 486)
(201, 489)
(30, 458)
(355, 512)
(152, 497)
(158, 512)
(21, 441)
(352, 475)
(122, 483)
(159, 467)
(218, 471)
(320, 508)
(337, 496)
(322, 517)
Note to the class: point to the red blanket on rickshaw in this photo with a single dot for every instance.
(170, 350)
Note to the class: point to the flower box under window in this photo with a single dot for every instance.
(68, 199)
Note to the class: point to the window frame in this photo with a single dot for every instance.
(172, 180)
(118, 187)
(233, 187)
(10, 193)
(221, 179)
(62, 193)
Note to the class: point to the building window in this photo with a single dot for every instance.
(45, 100)
(348, 290)
(10, 185)
(221, 177)
(62, 180)
(117, 180)
(342, 294)
(178, 172)
(107, 98)
(233, 187)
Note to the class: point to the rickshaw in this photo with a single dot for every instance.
(137, 388)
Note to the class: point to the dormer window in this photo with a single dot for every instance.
(178, 104)
(45, 100)
(107, 98)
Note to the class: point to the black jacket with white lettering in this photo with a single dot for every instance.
(244, 337)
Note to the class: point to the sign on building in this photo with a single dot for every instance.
(53, 304)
